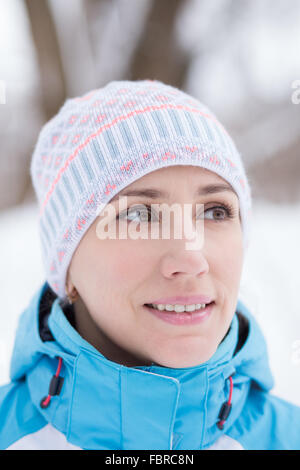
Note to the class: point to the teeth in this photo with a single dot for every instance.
(178, 308)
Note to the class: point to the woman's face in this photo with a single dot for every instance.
(116, 277)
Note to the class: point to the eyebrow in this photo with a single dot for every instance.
(153, 193)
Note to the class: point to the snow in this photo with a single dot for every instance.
(270, 284)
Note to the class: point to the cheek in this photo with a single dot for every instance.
(128, 262)
(228, 258)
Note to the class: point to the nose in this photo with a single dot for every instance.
(180, 261)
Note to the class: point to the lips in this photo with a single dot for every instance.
(183, 300)
(152, 306)
(184, 318)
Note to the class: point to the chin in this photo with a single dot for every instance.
(189, 359)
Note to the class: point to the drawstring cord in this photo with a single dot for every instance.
(225, 408)
(54, 387)
(57, 382)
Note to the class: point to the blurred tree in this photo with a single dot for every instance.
(22, 116)
(77, 62)
(158, 54)
(52, 82)
(115, 28)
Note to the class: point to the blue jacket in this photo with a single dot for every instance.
(98, 404)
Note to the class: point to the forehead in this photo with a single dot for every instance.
(160, 182)
(190, 172)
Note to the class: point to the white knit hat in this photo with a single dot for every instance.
(101, 142)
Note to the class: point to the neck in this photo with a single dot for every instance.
(93, 334)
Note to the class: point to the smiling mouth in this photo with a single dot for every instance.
(172, 309)
(197, 316)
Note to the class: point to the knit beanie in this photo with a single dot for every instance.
(101, 142)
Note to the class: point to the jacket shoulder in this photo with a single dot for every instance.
(18, 416)
(268, 422)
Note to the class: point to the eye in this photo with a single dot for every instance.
(143, 213)
(223, 212)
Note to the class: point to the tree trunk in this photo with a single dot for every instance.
(157, 55)
(52, 83)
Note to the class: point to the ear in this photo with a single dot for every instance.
(69, 286)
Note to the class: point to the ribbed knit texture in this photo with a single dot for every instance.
(101, 142)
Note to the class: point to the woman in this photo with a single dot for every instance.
(138, 341)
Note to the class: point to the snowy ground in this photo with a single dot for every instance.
(270, 284)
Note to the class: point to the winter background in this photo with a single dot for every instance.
(240, 58)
